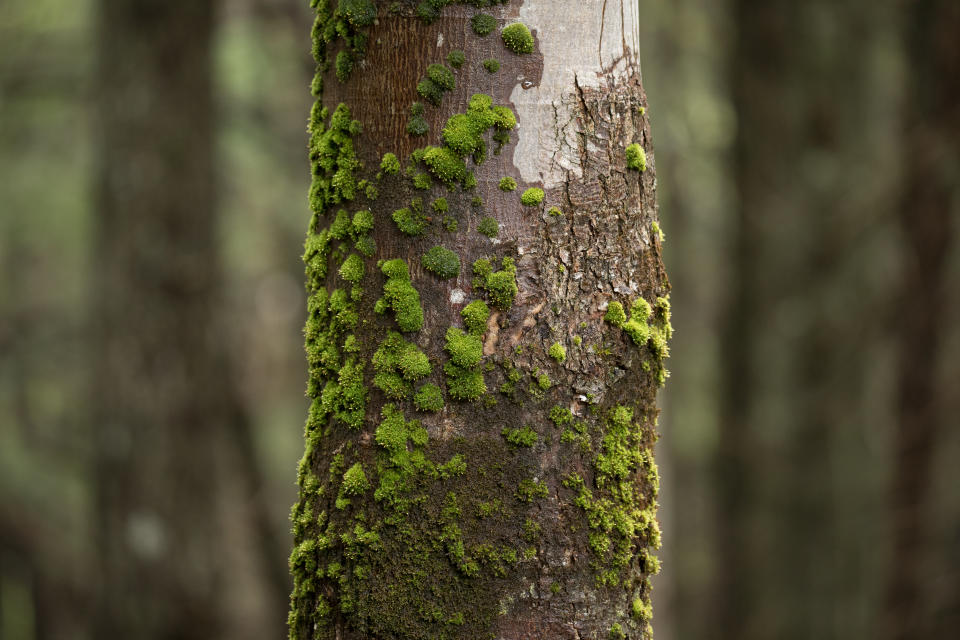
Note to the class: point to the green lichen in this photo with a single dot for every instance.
(489, 227)
(428, 398)
(475, 316)
(524, 437)
(507, 184)
(400, 295)
(483, 24)
(500, 286)
(441, 261)
(532, 197)
(456, 58)
(557, 352)
(517, 38)
(492, 65)
(636, 158)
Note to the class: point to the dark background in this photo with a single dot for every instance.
(808, 158)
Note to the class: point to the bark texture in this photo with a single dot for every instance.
(525, 505)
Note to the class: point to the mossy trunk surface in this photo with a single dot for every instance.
(479, 447)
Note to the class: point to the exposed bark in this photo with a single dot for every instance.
(167, 415)
(927, 211)
(501, 547)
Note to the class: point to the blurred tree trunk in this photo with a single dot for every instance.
(479, 449)
(927, 216)
(180, 529)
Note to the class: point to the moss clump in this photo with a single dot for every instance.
(354, 483)
(517, 38)
(475, 316)
(439, 80)
(428, 398)
(360, 13)
(561, 416)
(637, 327)
(456, 58)
(333, 159)
(492, 65)
(483, 24)
(410, 221)
(417, 125)
(507, 184)
(440, 205)
(445, 164)
(555, 212)
(441, 261)
(500, 286)
(532, 197)
(353, 269)
(615, 314)
(636, 158)
(389, 164)
(398, 364)
(399, 295)
(525, 437)
(464, 377)
(616, 632)
(557, 352)
(422, 181)
(529, 490)
(489, 227)
(344, 66)
(657, 231)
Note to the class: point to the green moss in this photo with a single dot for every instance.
(428, 398)
(483, 24)
(655, 227)
(353, 269)
(450, 223)
(529, 490)
(616, 632)
(440, 205)
(344, 66)
(532, 197)
(637, 327)
(492, 65)
(422, 181)
(410, 221)
(398, 364)
(557, 352)
(475, 316)
(360, 13)
(400, 295)
(517, 38)
(525, 437)
(417, 125)
(456, 58)
(439, 80)
(445, 164)
(441, 261)
(355, 482)
(641, 610)
(555, 212)
(508, 184)
(615, 314)
(464, 377)
(489, 227)
(500, 286)
(389, 164)
(636, 158)
(543, 381)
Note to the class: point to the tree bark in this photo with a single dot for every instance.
(524, 506)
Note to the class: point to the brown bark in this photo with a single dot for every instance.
(569, 268)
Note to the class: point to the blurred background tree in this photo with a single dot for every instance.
(809, 184)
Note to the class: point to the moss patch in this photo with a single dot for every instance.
(441, 261)
(517, 38)
(400, 295)
(636, 158)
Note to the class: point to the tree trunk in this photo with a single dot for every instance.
(174, 538)
(927, 212)
(484, 359)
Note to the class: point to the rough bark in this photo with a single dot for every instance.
(174, 541)
(927, 212)
(525, 508)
